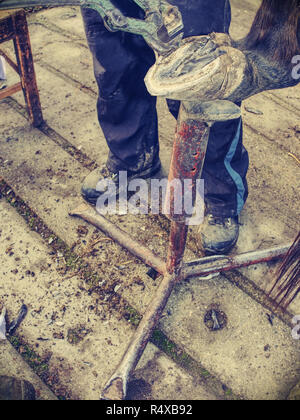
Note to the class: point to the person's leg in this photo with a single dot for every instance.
(126, 111)
(226, 162)
(225, 170)
(225, 185)
(226, 188)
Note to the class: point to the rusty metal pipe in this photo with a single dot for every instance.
(177, 242)
(198, 268)
(189, 150)
(116, 387)
(222, 263)
(90, 215)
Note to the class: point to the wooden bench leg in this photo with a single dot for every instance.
(26, 69)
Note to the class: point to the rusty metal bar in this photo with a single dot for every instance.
(197, 268)
(26, 69)
(219, 264)
(177, 242)
(187, 162)
(116, 387)
(90, 215)
(11, 90)
(188, 156)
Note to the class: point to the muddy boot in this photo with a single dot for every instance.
(218, 235)
(96, 183)
(12, 389)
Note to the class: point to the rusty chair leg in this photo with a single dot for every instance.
(26, 69)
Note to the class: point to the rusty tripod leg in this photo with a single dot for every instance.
(116, 387)
(187, 162)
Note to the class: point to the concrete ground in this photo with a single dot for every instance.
(84, 293)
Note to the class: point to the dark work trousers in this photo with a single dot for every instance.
(127, 112)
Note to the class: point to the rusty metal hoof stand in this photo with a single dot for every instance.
(174, 78)
(195, 119)
(187, 162)
(201, 75)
